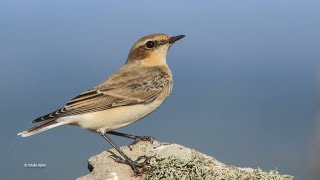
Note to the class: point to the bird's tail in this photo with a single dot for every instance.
(42, 127)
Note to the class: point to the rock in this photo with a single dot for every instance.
(171, 161)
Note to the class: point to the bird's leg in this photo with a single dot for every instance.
(135, 138)
(136, 166)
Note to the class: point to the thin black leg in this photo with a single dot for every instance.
(135, 138)
(115, 146)
(136, 167)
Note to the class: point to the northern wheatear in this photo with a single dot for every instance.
(131, 93)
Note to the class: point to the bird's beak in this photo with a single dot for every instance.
(175, 38)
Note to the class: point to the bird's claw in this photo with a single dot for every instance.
(137, 167)
(117, 159)
(137, 139)
(144, 138)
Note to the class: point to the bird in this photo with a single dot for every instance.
(137, 89)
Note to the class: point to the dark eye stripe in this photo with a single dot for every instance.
(157, 43)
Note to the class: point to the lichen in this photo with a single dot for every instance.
(204, 169)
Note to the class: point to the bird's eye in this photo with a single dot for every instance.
(150, 44)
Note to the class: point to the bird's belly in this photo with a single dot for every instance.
(114, 118)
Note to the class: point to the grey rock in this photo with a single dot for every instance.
(171, 161)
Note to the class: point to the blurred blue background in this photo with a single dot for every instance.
(244, 79)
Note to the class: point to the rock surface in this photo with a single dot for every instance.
(171, 161)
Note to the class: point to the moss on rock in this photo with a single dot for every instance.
(203, 168)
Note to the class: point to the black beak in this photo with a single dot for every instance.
(175, 38)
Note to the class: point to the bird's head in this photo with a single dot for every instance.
(152, 49)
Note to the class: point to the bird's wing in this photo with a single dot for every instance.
(121, 89)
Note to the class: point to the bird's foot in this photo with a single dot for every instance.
(137, 166)
(143, 138)
(137, 139)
